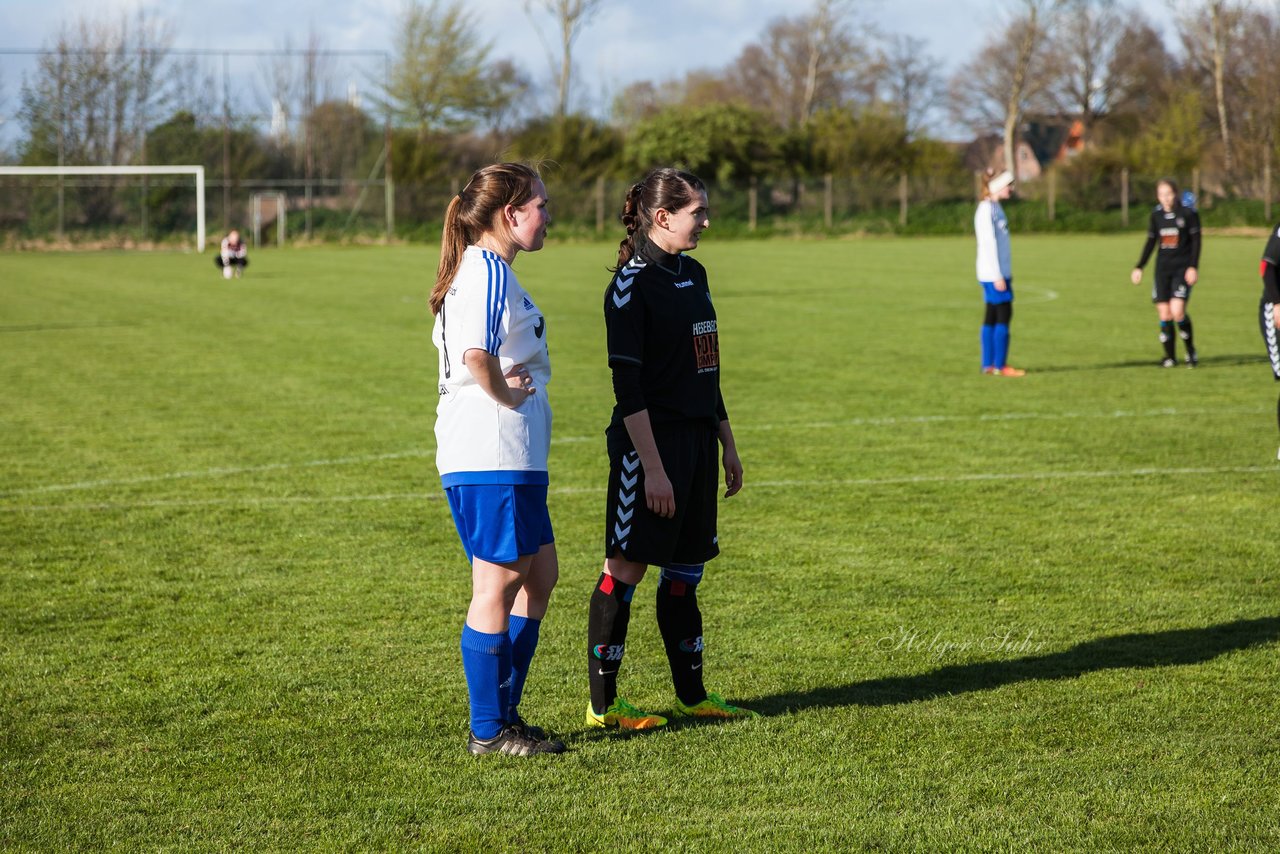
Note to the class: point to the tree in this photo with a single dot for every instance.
(94, 91)
(1257, 92)
(1211, 33)
(910, 81)
(583, 147)
(1011, 72)
(1174, 143)
(571, 16)
(437, 77)
(871, 144)
(721, 142)
(1108, 58)
(92, 97)
(804, 64)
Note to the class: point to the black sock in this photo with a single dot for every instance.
(607, 620)
(1184, 332)
(1167, 339)
(680, 622)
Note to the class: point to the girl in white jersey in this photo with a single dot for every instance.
(995, 274)
(493, 432)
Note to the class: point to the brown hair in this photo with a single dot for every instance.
(475, 212)
(665, 188)
(1172, 185)
(985, 193)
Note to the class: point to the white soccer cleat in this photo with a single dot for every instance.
(226, 272)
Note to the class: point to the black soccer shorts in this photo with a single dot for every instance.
(1167, 286)
(1267, 311)
(689, 453)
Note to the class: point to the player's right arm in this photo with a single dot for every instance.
(624, 320)
(659, 496)
(1136, 275)
(510, 389)
(475, 318)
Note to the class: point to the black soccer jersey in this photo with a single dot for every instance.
(661, 329)
(1270, 266)
(1177, 233)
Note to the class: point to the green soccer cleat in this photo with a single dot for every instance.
(714, 707)
(623, 715)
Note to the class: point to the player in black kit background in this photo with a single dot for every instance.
(1175, 228)
(1269, 306)
(669, 415)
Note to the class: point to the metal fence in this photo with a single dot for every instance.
(115, 210)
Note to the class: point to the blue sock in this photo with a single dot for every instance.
(486, 660)
(1000, 344)
(523, 632)
(988, 345)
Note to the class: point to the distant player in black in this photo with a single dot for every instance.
(1175, 228)
(664, 352)
(1269, 307)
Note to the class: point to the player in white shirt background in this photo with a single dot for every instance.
(233, 255)
(493, 434)
(995, 274)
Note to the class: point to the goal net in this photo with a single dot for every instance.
(56, 198)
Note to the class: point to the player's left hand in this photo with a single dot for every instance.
(732, 472)
(1192, 276)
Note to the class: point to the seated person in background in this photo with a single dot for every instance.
(233, 257)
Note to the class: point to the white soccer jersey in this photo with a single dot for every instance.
(992, 228)
(478, 440)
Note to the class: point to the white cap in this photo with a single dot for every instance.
(999, 182)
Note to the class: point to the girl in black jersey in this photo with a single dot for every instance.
(664, 353)
(1269, 307)
(1176, 229)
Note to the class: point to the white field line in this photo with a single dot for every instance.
(1044, 295)
(889, 420)
(979, 477)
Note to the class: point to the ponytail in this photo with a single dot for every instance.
(476, 212)
(453, 242)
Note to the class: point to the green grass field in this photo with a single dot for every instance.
(976, 613)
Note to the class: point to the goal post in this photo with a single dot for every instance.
(197, 171)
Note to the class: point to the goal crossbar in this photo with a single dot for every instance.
(197, 171)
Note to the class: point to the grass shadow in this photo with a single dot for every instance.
(1223, 361)
(1150, 649)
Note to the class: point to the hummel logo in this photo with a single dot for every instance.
(630, 462)
(685, 284)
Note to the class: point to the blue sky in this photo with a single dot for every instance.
(627, 41)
